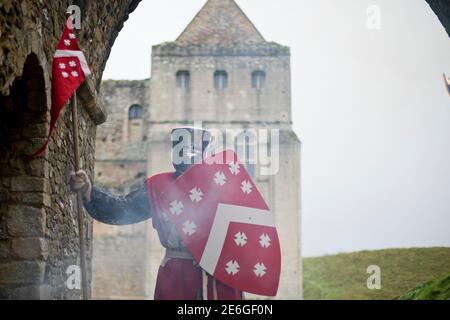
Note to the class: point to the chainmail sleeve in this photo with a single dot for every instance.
(118, 210)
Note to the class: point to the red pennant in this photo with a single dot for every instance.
(69, 70)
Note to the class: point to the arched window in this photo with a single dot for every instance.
(135, 112)
(183, 79)
(220, 79)
(258, 79)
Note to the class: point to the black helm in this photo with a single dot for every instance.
(188, 147)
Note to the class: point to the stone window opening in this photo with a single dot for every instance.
(135, 112)
(258, 79)
(220, 80)
(135, 123)
(183, 80)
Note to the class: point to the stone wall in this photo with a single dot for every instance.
(113, 137)
(35, 26)
(38, 221)
(442, 10)
(239, 102)
(119, 262)
(121, 157)
(120, 252)
(39, 225)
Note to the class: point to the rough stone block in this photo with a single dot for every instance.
(38, 168)
(38, 130)
(4, 293)
(42, 292)
(12, 169)
(28, 147)
(29, 184)
(24, 221)
(30, 248)
(6, 182)
(4, 249)
(36, 198)
(22, 272)
(3, 233)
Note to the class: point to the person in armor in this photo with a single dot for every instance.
(179, 275)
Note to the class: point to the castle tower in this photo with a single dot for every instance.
(223, 75)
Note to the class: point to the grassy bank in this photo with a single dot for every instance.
(344, 276)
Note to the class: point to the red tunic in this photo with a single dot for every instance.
(179, 278)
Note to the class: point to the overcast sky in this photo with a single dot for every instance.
(369, 106)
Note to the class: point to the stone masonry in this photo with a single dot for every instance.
(120, 253)
(38, 222)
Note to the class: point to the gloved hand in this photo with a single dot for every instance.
(79, 181)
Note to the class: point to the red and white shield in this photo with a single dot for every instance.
(226, 224)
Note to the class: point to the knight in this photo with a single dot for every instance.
(179, 276)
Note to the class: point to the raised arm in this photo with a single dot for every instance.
(109, 208)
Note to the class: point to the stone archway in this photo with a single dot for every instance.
(442, 9)
(24, 188)
(38, 224)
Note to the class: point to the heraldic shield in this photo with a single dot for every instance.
(225, 223)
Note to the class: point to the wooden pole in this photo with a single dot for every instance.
(84, 283)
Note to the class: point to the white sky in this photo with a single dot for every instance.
(369, 106)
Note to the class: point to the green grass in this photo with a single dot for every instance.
(437, 289)
(344, 277)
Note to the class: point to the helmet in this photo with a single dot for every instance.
(188, 147)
